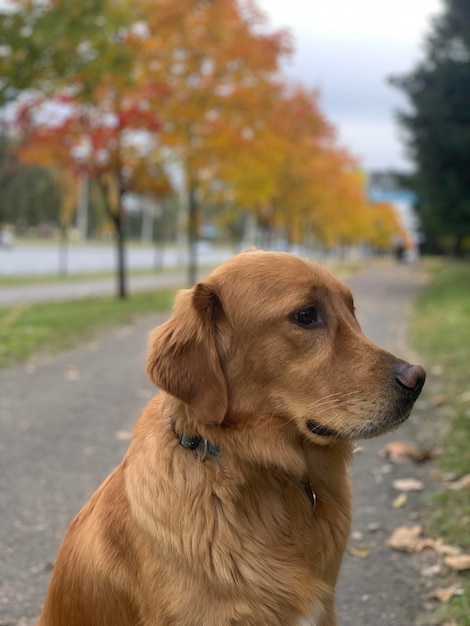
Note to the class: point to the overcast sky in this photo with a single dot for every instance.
(347, 49)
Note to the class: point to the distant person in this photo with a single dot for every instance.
(398, 248)
(7, 239)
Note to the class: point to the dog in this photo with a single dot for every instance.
(232, 503)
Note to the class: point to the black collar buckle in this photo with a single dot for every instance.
(200, 445)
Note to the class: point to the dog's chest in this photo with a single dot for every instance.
(279, 552)
(260, 554)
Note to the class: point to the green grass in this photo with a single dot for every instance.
(442, 336)
(27, 329)
(29, 279)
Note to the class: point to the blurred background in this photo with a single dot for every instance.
(191, 128)
(144, 141)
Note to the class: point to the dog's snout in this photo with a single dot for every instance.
(410, 377)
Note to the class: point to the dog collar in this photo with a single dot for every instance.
(196, 443)
(312, 496)
(201, 444)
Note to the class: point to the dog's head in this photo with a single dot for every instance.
(274, 334)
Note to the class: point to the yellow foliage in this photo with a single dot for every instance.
(386, 225)
(204, 89)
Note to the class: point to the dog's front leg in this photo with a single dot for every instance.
(328, 617)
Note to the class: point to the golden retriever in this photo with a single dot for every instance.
(232, 504)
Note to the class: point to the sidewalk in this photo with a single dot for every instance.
(67, 290)
(66, 421)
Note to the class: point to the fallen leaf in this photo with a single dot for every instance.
(408, 484)
(458, 562)
(465, 396)
(440, 400)
(458, 485)
(123, 435)
(71, 373)
(400, 450)
(428, 454)
(357, 535)
(400, 501)
(408, 539)
(361, 552)
(444, 594)
(444, 548)
(431, 570)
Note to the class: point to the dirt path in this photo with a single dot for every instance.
(65, 423)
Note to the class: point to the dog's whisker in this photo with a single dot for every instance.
(334, 397)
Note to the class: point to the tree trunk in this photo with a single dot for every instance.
(458, 250)
(192, 237)
(121, 256)
(82, 206)
(63, 251)
(112, 192)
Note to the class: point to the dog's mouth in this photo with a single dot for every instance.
(376, 425)
(319, 429)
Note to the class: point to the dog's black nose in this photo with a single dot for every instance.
(410, 377)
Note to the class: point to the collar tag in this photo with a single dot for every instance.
(312, 496)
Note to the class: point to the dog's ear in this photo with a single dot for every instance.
(183, 357)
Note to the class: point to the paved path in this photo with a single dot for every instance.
(65, 422)
(67, 290)
(383, 589)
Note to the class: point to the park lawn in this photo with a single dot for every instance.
(36, 279)
(33, 279)
(441, 332)
(28, 329)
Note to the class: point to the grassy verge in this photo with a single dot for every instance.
(27, 329)
(29, 279)
(48, 327)
(442, 335)
(339, 269)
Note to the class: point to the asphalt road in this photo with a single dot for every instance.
(65, 422)
(48, 292)
(46, 258)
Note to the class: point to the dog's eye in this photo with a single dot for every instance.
(307, 317)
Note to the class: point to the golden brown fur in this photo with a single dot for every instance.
(171, 538)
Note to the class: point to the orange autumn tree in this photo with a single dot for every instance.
(269, 174)
(273, 170)
(310, 185)
(298, 199)
(218, 66)
(289, 171)
(345, 219)
(82, 58)
(244, 183)
(386, 225)
(319, 192)
(201, 67)
(116, 148)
